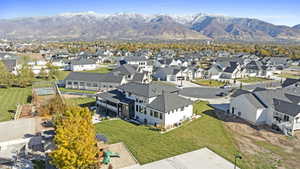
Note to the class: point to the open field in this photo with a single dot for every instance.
(9, 98)
(148, 145)
(253, 80)
(205, 82)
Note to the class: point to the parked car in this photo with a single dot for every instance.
(221, 94)
(225, 87)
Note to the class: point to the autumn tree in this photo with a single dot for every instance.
(25, 76)
(6, 78)
(75, 140)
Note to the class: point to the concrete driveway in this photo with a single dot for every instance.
(199, 159)
(202, 92)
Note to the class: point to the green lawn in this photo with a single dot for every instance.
(100, 70)
(206, 82)
(9, 98)
(288, 75)
(253, 79)
(62, 74)
(82, 101)
(148, 145)
(76, 91)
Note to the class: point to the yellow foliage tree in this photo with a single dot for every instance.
(75, 140)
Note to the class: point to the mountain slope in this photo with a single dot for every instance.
(296, 27)
(93, 26)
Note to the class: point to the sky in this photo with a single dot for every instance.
(279, 12)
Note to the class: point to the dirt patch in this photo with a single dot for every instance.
(263, 147)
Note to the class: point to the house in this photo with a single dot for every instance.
(11, 65)
(142, 63)
(214, 72)
(154, 104)
(231, 71)
(171, 73)
(82, 65)
(131, 73)
(254, 69)
(279, 108)
(93, 81)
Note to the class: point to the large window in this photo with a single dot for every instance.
(69, 83)
(160, 115)
(286, 118)
(81, 83)
(95, 85)
(89, 84)
(151, 113)
(155, 114)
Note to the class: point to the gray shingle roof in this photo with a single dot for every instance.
(138, 77)
(94, 77)
(254, 100)
(147, 90)
(286, 107)
(169, 101)
(125, 70)
(83, 62)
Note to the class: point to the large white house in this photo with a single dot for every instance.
(153, 104)
(82, 65)
(279, 108)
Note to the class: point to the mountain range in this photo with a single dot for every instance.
(92, 26)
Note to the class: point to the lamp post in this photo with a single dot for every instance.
(236, 156)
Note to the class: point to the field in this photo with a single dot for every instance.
(9, 98)
(253, 79)
(212, 83)
(148, 145)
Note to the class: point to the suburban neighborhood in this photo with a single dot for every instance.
(158, 87)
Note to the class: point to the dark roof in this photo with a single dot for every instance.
(125, 70)
(138, 77)
(147, 90)
(135, 58)
(293, 98)
(166, 61)
(168, 70)
(83, 62)
(94, 77)
(10, 64)
(254, 100)
(286, 107)
(231, 68)
(255, 65)
(289, 82)
(169, 101)
(239, 92)
(115, 96)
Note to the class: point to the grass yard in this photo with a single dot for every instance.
(253, 80)
(62, 74)
(9, 98)
(82, 101)
(206, 82)
(76, 90)
(148, 145)
(100, 70)
(288, 75)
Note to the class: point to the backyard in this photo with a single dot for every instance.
(9, 98)
(206, 82)
(76, 91)
(100, 70)
(289, 75)
(82, 101)
(148, 145)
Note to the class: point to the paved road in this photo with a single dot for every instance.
(202, 92)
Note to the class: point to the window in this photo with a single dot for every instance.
(75, 83)
(110, 86)
(69, 83)
(89, 84)
(286, 118)
(129, 94)
(182, 108)
(81, 83)
(136, 108)
(151, 113)
(95, 85)
(160, 115)
(239, 113)
(155, 114)
(298, 120)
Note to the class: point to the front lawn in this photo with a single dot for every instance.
(253, 79)
(148, 145)
(208, 82)
(288, 75)
(9, 98)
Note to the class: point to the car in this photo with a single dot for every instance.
(225, 87)
(221, 94)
